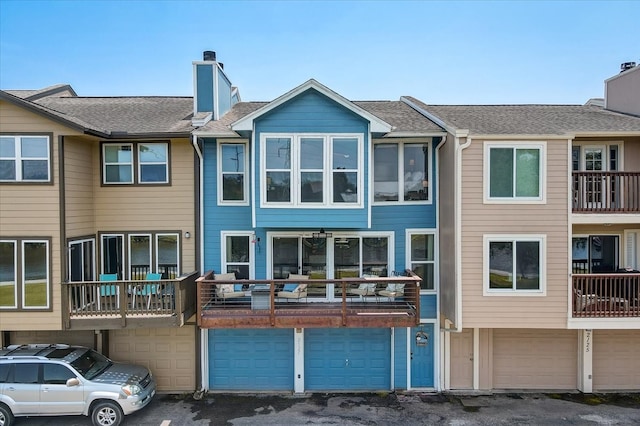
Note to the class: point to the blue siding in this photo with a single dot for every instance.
(428, 306)
(217, 218)
(400, 366)
(311, 112)
(204, 88)
(224, 94)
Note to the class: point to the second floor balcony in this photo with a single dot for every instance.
(93, 305)
(606, 192)
(345, 302)
(614, 295)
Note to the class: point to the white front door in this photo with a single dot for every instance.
(595, 190)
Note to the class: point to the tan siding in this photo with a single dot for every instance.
(32, 210)
(550, 219)
(153, 208)
(615, 360)
(79, 181)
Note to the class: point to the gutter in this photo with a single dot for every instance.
(202, 336)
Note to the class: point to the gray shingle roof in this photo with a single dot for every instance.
(402, 117)
(532, 119)
(133, 115)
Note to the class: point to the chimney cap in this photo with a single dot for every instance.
(627, 66)
(209, 55)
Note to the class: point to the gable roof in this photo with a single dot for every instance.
(579, 120)
(31, 95)
(246, 123)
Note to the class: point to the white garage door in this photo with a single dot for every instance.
(615, 360)
(168, 352)
(535, 359)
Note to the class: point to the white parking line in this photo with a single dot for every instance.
(165, 423)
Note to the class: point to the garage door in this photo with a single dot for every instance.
(615, 360)
(251, 360)
(535, 359)
(347, 359)
(168, 352)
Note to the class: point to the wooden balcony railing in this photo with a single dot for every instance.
(606, 295)
(129, 304)
(606, 192)
(326, 303)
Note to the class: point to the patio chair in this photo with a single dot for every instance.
(365, 289)
(228, 291)
(585, 301)
(109, 291)
(148, 290)
(294, 290)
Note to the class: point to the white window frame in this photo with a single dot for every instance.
(105, 163)
(135, 164)
(221, 173)
(328, 171)
(23, 271)
(15, 276)
(139, 162)
(18, 159)
(541, 239)
(401, 173)
(542, 184)
(223, 251)
(408, 261)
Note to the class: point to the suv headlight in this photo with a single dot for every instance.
(131, 389)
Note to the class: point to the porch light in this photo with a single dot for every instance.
(322, 234)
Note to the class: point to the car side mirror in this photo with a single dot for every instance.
(73, 382)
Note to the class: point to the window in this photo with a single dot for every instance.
(514, 264)
(25, 159)
(514, 173)
(401, 168)
(421, 257)
(56, 374)
(237, 254)
(311, 170)
(232, 163)
(24, 274)
(120, 159)
(152, 252)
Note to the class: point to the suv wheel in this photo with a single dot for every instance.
(106, 413)
(6, 416)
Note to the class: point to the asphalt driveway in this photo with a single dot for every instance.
(378, 409)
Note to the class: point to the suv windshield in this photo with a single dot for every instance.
(91, 363)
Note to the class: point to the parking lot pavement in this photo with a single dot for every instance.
(377, 409)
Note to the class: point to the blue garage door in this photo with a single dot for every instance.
(347, 359)
(251, 360)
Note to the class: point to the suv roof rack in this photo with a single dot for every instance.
(34, 347)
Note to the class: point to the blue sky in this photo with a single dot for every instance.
(455, 52)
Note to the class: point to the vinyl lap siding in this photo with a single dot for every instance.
(79, 180)
(548, 219)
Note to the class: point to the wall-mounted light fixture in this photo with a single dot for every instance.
(322, 234)
(187, 235)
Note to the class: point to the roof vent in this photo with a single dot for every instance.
(209, 55)
(627, 66)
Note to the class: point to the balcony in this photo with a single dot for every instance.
(606, 295)
(606, 192)
(325, 303)
(100, 305)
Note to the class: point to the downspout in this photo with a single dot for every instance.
(458, 219)
(201, 337)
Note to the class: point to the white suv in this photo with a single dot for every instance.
(51, 380)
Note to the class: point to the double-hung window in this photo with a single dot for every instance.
(421, 253)
(237, 254)
(514, 264)
(129, 163)
(311, 170)
(24, 274)
(401, 172)
(25, 158)
(514, 172)
(232, 182)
